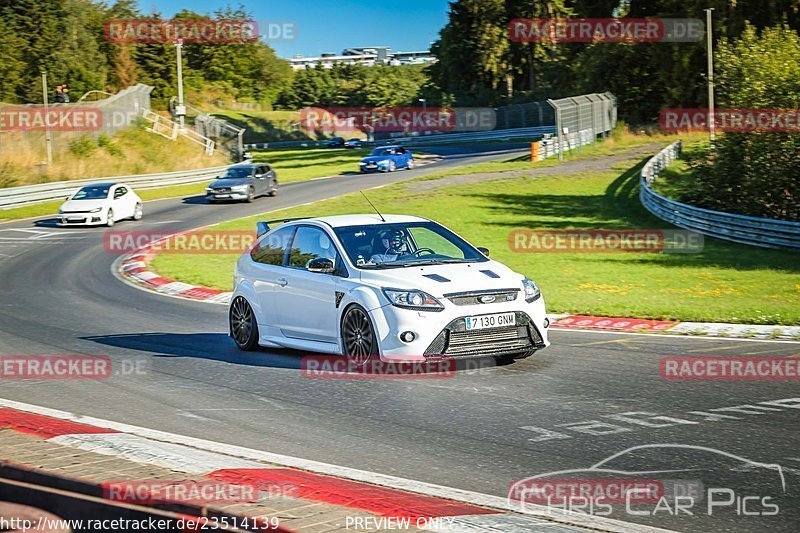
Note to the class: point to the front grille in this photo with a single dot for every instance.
(455, 341)
(473, 297)
(223, 190)
(75, 221)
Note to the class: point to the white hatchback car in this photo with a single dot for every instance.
(401, 288)
(100, 204)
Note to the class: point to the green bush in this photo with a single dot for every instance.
(83, 147)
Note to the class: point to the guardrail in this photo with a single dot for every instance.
(34, 194)
(422, 140)
(755, 231)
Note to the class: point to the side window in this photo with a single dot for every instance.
(310, 243)
(265, 169)
(120, 192)
(271, 249)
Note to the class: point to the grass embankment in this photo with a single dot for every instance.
(265, 126)
(725, 283)
(132, 151)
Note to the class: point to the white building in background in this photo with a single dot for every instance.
(367, 55)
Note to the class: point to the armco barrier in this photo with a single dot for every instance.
(33, 194)
(762, 232)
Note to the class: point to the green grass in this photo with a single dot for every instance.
(265, 126)
(677, 178)
(299, 165)
(725, 283)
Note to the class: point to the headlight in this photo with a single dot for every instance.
(419, 300)
(60, 211)
(96, 210)
(532, 291)
(384, 162)
(209, 189)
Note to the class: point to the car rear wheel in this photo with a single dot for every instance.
(244, 329)
(358, 336)
(110, 218)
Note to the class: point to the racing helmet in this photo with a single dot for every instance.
(393, 240)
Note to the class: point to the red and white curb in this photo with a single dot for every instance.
(707, 329)
(379, 494)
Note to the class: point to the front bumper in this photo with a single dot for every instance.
(80, 219)
(232, 195)
(443, 333)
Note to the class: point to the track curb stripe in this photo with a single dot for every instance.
(320, 482)
(375, 499)
(45, 426)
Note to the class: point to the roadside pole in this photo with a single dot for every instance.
(710, 49)
(47, 139)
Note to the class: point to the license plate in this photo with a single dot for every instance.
(222, 195)
(490, 321)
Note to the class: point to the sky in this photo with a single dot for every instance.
(332, 25)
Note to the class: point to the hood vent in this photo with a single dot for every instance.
(437, 277)
(490, 274)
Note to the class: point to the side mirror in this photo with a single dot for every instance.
(483, 250)
(320, 265)
(261, 228)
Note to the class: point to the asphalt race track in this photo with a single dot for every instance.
(586, 398)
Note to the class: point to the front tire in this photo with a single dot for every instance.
(251, 194)
(110, 218)
(274, 190)
(411, 164)
(358, 336)
(243, 326)
(138, 212)
(392, 166)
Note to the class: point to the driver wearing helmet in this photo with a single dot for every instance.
(391, 245)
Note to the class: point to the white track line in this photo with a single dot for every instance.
(419, 487)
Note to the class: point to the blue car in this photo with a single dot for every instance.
(387, 159)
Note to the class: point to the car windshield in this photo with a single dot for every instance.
(405, 244)
(93, 192)
(382, 151)
(243, 172)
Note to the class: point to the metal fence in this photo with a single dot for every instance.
(762, 232)
(579, 120)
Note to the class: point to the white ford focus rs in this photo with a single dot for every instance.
(100, 204)
(401, 288)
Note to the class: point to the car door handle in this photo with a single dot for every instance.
(282, 282)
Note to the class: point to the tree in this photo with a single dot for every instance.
(754, 174)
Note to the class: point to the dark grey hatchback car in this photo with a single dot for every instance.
(244, 182)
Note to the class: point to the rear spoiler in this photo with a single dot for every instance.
(264, 226)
